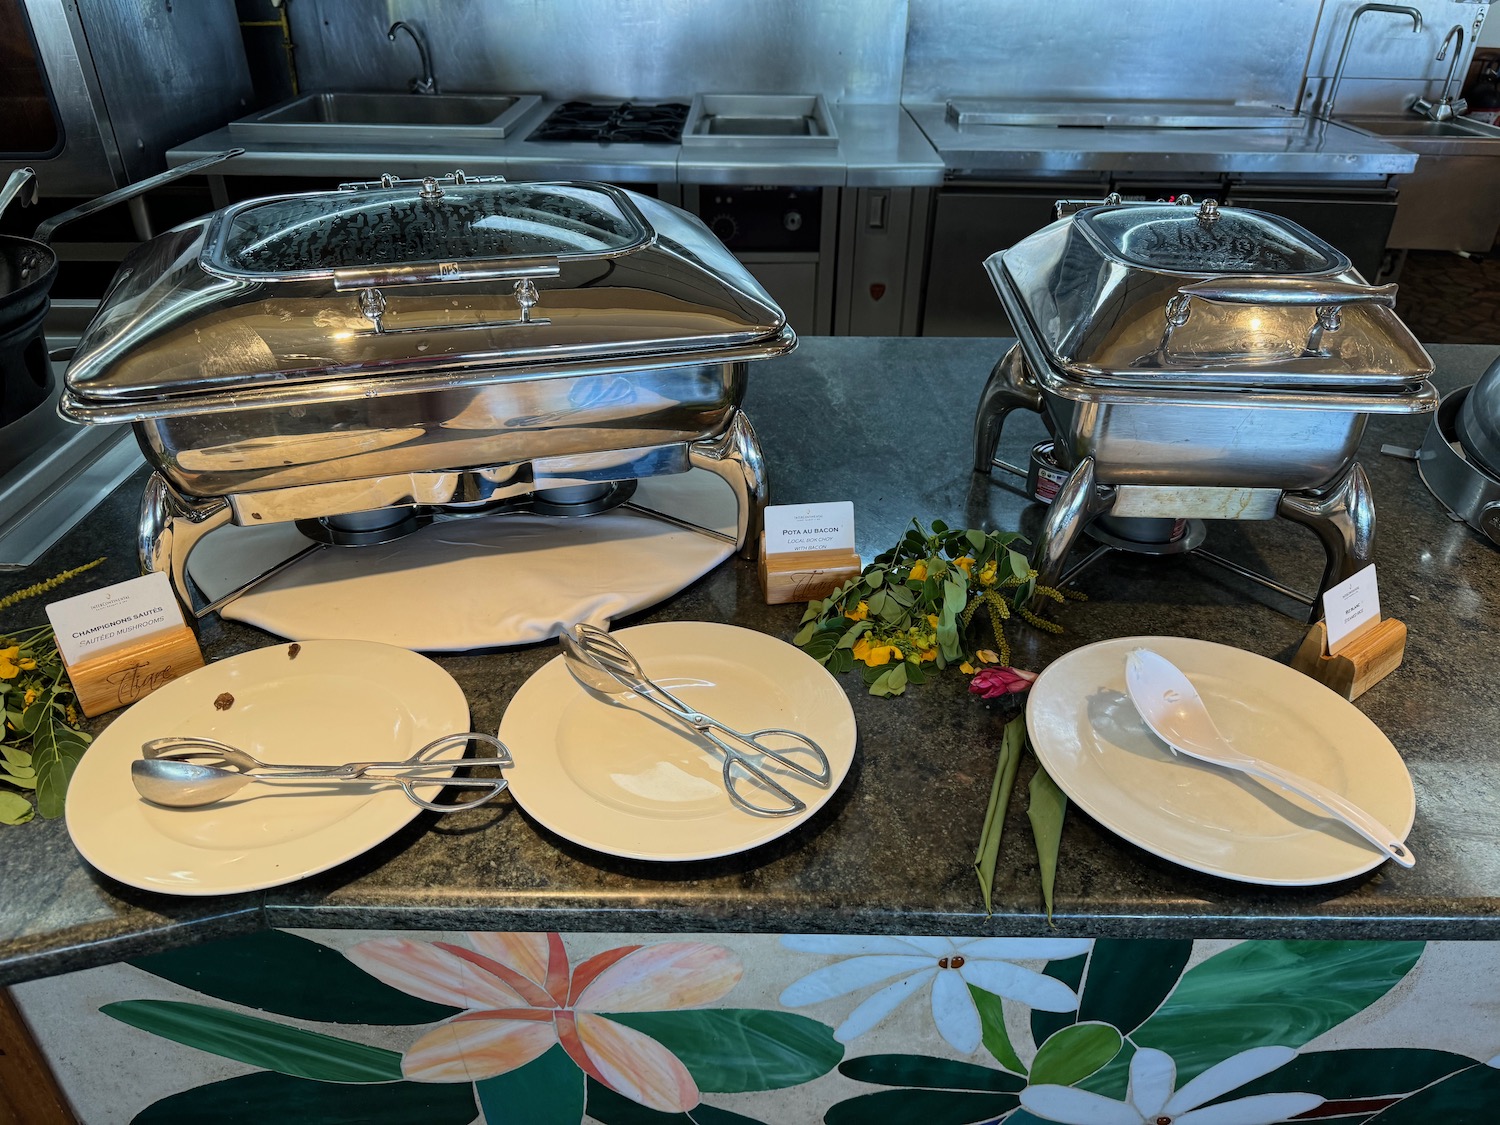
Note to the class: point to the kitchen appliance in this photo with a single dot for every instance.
(1195, 362)
(361, 360)
(1460, 457)
(616, 122)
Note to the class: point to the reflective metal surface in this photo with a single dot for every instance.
(848, 50)
(128, 79)
(1174, 297)
(386, 118)
(251, 363)
(1117, 114)
(759, 119)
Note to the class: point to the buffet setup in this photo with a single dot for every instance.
(452, 488)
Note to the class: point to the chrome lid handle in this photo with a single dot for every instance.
(430, 273)
(1289, 291)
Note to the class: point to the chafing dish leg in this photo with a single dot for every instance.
(171, 526)
(1078, 501)
(1009, 387)
(735, 456)
(1343, 517)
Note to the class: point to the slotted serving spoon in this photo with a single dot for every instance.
(1175, 712)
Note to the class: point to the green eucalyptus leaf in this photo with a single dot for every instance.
(26, 779)
(914, 673)
(14, 755)
(805, 634)
(939, 527)
(14, 808)
(876, 577)
(840, 660)
(56, 750)
(876, 602)
(977, 539)
(853, 634)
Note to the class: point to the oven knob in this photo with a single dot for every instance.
(792, 220)
(724, 227)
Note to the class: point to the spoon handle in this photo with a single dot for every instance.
(1334, 805)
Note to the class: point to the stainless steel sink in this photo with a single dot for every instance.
(1449, 201)
(393, 118)
(1124, 114)
(800, 120)
(1410, 131)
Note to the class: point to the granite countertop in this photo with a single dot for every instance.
(886, 422)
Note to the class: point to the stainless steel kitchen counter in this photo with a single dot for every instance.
(879, 146)
(885, 422)
(1304, 148)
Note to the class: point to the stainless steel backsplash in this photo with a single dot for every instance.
(1268, 51)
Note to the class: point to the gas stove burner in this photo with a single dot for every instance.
(624, 123)
(580, 499)
(363, 529)
(1148, 535)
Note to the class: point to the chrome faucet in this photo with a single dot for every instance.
(427, 83)
(1338, 73)
(1447, 106)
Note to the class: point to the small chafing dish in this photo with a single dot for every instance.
(1194, 362)
(357, 360)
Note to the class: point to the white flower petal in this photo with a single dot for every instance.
(1015, 983)
(1228, 1075)
(848, 945)
(1262, 1109)
(843, 977)
(1025, 949)
(1076, 1107)
(880, 1005)
(954, 1013)
(1152, 1076)
(934, 947)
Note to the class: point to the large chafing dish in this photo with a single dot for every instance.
(355, 360)
(1194, 362)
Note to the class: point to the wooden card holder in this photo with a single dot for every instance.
(802, 576)
(1373, 654)
(117, 677)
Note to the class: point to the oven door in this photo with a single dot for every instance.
(52, 107)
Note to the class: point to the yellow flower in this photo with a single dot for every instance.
(9, 669)
(927, 654)
(874, 655)
(989, 573)
(932, 620)
(966, 668)
(30, 697)
(987, 657)
(965, 564)
(859, 613)
(28, 664)
(918, 570)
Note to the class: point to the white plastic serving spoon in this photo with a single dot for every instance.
(1175, 712)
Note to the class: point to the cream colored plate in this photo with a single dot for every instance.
(478, 582)
(617, 775)
(334, 701)
(1088, 735)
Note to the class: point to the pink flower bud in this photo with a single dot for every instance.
(991, 682)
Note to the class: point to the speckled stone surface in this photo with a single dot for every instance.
(886, 422)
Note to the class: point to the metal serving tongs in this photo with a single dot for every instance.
(599, 661)
(187, 771)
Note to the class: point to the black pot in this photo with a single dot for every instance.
(27, 271)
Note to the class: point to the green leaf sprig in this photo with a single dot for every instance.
(912, 609)
(40, 739)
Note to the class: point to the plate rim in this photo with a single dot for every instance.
(777, 827)
(1402, 827)
(394, 811)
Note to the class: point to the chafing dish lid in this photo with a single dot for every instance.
(405, 286)
(1172, 294)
